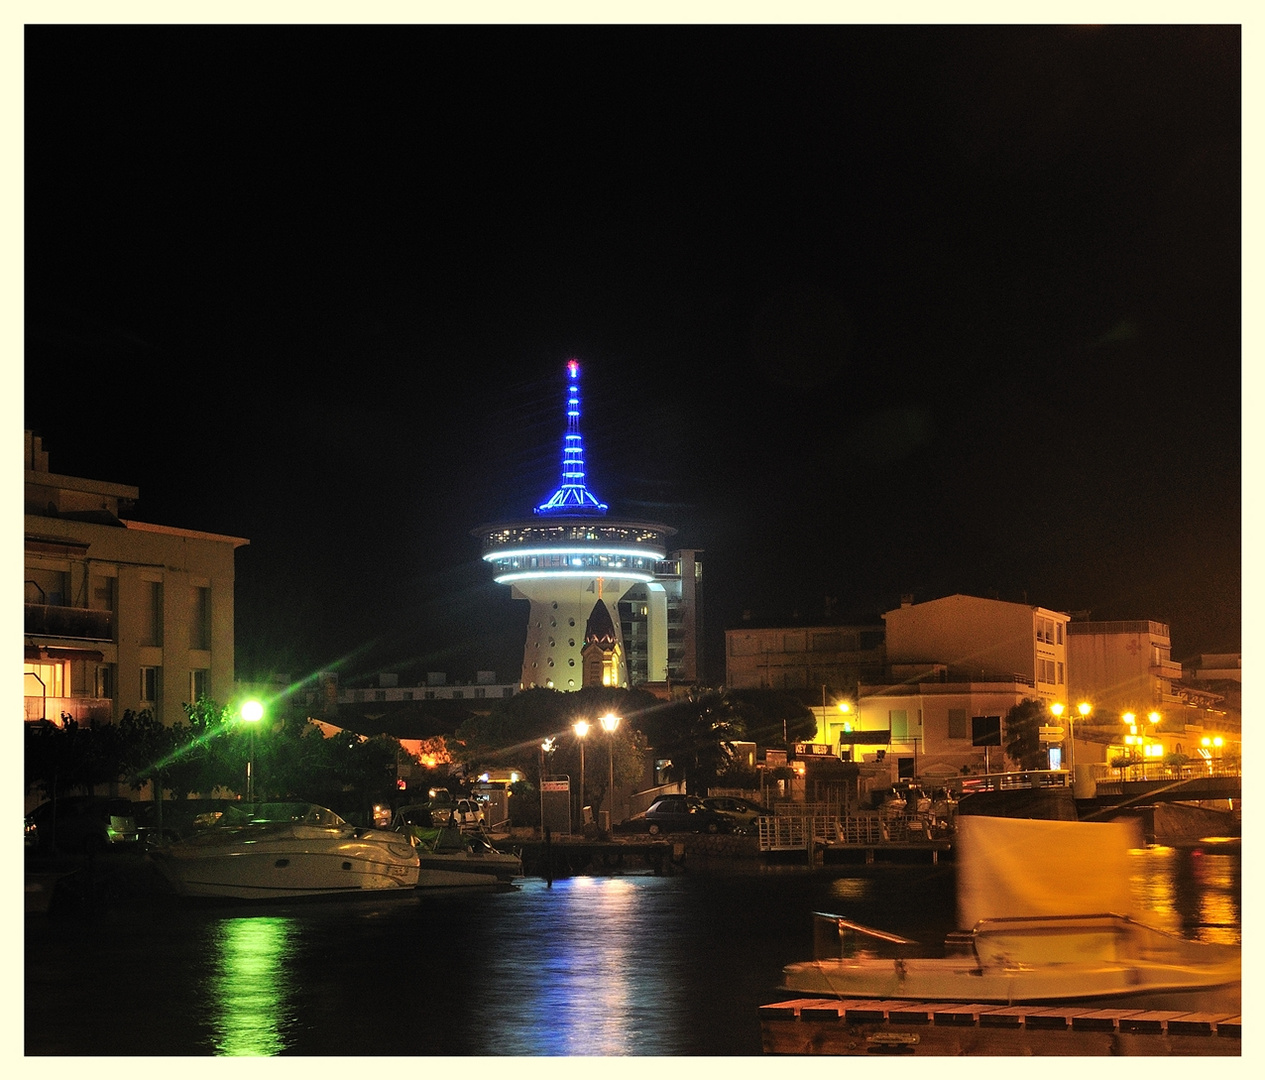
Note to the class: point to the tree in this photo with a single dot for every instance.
(1023, 738)
(696, 734)
(773, 717)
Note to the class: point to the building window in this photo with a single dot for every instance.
(898, 721)
(1058, 632)
(199, 617)
(429, 695)
(199, 684)
(479, 692)
(105, 681)
(408, 695)
(151, 613)
(1060, 673)
(47, 679)
(149, 686)
(461, 693)
(1046, 672)
(379, 695)
(957, 724)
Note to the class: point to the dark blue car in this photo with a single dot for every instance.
(685, 813)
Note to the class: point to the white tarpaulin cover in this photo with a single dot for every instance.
(1015, 866)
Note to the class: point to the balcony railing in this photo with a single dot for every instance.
(84, 624)
(83, 709)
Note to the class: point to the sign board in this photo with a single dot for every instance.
(555, 806)
(1050, 734)
(774, 759)
(986, 731)
(811, 749)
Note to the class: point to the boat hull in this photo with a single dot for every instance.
(289, 862)
(461, 870)
(1215, 987)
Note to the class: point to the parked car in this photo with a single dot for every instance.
(468, 813)
(745, 811)
(685, 813)
(80, 823)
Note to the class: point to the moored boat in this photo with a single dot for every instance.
(1049, 911)
(287, 850)
(451, 857)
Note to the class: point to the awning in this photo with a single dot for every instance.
(36, 653)
(865, 738)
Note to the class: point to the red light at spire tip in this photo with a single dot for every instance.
(573, 366)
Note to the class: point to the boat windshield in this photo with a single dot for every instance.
(270, 813)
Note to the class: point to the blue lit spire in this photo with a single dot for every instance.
(572, 497)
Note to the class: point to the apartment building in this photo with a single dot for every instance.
(1126, 666)
(119, 614)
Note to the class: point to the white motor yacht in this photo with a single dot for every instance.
(287, 850)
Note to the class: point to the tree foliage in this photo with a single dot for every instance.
(207, 755)
(696, 734)
(1023, 739)
(773, 717)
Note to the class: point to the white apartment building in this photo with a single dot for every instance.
(119, 614)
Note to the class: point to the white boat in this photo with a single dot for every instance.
(451, 857)
(287, 850)
(1017, 881)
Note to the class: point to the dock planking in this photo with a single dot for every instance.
(847, 1027)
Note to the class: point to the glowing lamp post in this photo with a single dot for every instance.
(1059, 710)
(609, 723)
(252, 712)
(581, 729)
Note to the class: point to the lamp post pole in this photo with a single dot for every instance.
(581, 729)
(609, 723)
(252, 713)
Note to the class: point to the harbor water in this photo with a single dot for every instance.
(631, 964)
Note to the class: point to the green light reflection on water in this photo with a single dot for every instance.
(251, 986)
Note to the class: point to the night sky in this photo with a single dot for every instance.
(862, 311)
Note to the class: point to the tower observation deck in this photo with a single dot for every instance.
(569, 556)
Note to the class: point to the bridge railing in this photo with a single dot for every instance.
(1157, 770)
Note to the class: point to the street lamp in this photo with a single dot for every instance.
(251, 712)
(546, 748)
(609, 723)
(581, 729)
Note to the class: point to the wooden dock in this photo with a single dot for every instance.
(828, 1026)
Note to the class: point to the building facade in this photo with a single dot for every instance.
(978, 639)
(676, 593)
(834, 659)
(1126, 667)
(119, 614)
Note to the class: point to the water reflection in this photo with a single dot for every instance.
(597, 989)
(1191, 892)
(250, 987)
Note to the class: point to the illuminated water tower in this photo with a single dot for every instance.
(568, 559)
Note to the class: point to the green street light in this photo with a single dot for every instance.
(251, 712)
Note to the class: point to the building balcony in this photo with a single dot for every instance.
(82, 624)
(1166, 669)
(83, 709)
